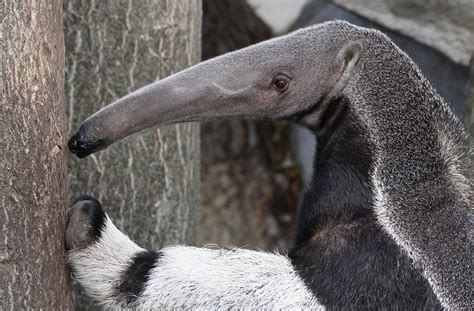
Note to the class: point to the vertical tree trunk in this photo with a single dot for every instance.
(33, 178)
(149, 183)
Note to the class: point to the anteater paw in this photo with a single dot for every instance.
(86, 220)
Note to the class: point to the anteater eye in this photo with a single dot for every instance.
(281, 85)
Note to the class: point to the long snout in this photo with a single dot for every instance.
(156, 104)
(198, 93)
(234, 85)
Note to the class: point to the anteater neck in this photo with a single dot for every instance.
(341, 252)
(339, 192)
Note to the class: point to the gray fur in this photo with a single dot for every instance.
(419, 171)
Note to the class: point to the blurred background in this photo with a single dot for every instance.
(253, 173)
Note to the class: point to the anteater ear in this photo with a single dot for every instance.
(349, 55)
(346, 61)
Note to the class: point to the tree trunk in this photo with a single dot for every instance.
(149, 184)
(33, 273)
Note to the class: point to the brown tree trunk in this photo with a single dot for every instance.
(149, 183)
(33, 273)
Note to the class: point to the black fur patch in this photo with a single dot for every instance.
(134, 279)
(341, 253)
(95, 213)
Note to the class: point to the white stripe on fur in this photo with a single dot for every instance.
(190, 277)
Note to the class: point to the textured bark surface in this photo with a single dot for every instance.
(147, 183)
(33, 179)
(250, 183)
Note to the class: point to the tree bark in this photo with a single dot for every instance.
(33, 273)
(149, 184)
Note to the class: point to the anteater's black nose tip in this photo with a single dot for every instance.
(83, 143)
(78, 146)
(72, 144)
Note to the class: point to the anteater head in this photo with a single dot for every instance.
(290, 77)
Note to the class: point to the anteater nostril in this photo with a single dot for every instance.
(83, 143)
(74, 143)
(78, 145)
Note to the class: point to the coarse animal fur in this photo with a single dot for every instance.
(386, 223)
(185, 277)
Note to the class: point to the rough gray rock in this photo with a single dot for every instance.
(447, 26)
